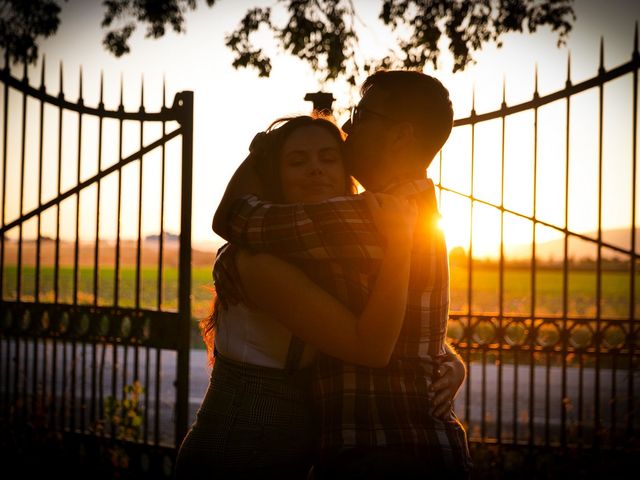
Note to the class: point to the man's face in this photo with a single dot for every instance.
(365, 146)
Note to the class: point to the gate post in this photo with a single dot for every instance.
(185, 102)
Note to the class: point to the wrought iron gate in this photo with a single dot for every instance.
(541, 376)
(95, 304)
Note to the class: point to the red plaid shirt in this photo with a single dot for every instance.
(336, 243)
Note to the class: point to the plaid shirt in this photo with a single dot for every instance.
(336, 243)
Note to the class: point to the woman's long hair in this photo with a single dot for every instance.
(208, 325)
(264, 152)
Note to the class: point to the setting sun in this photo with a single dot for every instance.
(485, 235)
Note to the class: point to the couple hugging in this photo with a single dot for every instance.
(334, 362)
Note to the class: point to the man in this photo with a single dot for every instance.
(375, 423)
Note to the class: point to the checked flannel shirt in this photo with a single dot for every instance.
(336, 243)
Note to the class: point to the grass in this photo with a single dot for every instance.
(517, 292)
(485, 291)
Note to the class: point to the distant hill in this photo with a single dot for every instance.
(168, 237)
(201, 255)
(579, 249)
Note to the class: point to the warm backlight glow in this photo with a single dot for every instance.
(484, 237)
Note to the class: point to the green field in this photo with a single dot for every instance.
(485, 298)
(517, 291)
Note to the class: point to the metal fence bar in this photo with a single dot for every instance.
(156, 419)
(103, 357)
(501, 264)
(136, 365)
(63, 393)
(612, 395)
(116, 271)
(56, 266)
(138, 246)
(565, 264)
(56, 273)
(483, 394)
(21, 201)
(76, 246)
(147, 395)
(4, 345)
(136, 362)
(20, 386)
(125, 383)
(596, 419)
(77, 232)
(158, 288)
(5, 122)
(532, 359)
(469, 262)
(96, 259)
(42, 397)
(632, 284)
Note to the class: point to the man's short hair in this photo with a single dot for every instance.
(419, 99)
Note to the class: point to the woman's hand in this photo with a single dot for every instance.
(395, 217)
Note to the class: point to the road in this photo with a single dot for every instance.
(477, 399)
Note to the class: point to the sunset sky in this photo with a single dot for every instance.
(231, 106)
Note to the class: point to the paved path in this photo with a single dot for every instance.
(472, 406)
(477, 400)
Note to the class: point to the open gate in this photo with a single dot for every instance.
(95, 305)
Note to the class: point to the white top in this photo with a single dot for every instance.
(251, 336)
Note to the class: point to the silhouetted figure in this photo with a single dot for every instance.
(376, 422)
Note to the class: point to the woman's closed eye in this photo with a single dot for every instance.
(296, 159)
(330, 156)
(299, 158)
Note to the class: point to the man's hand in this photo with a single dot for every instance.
(226, 279)
(450, 374)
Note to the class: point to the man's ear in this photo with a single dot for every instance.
(402, 134)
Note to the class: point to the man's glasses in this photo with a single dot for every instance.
(359, 112)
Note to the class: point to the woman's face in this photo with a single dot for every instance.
(311, 168)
